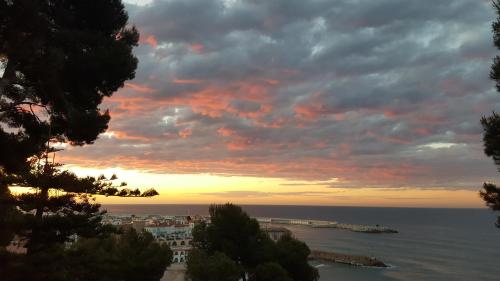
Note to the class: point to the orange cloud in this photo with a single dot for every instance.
(197, 48)
(120, 105)
(390, 114)
(303, 168)
(388, 138)
(149, 40)
(187, 81)
(225, 132)
(263, 110)
(185, 133)
(139, 88)
(272, 81)
(310, 111)
(125, 136)
(214, 100)
(235, 141)
(422, 131)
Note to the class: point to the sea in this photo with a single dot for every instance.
(432, 244)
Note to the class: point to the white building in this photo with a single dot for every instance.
(180, 254)
(180, 248)
(167, 232)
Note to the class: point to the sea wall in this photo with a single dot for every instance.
(328, 224)
(346, 259)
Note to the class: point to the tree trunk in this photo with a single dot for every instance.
(35, 241)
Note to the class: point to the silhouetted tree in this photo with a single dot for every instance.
(8, 213)
(292, 255)
(60, 206)
(491, 195)
(59, 59)
(232, 232)
(129, 256)
(270, 271)
(200, 236)
(216, 267)
(491, 124)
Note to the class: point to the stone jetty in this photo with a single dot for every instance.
(346, 259)
(328, 224)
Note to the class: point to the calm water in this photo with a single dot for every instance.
(433, 244)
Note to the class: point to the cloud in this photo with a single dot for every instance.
(250, 193)
(361, 91)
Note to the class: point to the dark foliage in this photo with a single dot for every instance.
(270, 271)
(130, 256)
(59, 59)
(216, 267)
(239, 237)
(61, 205)
(292, 255)
(491, 195)
(231, 231)
(491, 137)
(11, 220)
(491, 124)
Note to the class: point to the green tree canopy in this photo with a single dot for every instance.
(270, 271)
(232, 232)
(292, 255)
(130, 256)
(216, 267)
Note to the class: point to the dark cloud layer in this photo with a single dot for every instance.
(373, 93)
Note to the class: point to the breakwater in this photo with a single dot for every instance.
(346, 259)
(328, 224)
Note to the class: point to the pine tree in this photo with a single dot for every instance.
(239, 238)
(58, 60)
(491, 124)
(61, 204)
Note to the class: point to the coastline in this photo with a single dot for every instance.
(355, 260)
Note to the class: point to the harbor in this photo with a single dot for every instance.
(328, 224)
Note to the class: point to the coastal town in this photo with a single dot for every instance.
(176, 232)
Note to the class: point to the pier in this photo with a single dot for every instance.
(346, 259)
(328, 224)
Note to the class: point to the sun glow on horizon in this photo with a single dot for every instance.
(210, 188)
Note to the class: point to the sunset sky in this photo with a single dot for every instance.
(320, 102)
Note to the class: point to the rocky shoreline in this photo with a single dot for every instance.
(349, 259)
